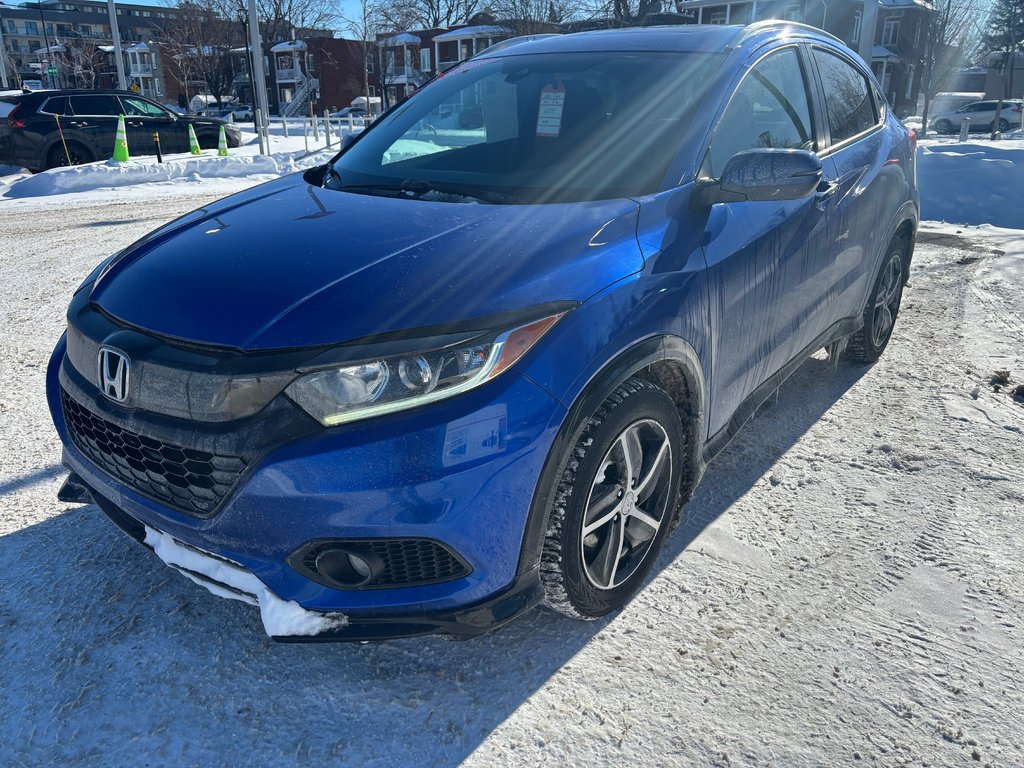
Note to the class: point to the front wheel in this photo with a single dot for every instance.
(614, 502)
(867, 344)
(944, 126)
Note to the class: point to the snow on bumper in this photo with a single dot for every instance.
(281, 618)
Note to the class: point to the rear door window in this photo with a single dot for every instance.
(55, 106)
(95, 105)
(848, 103)
(769, 109)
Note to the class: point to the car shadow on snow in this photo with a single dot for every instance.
(108, 655)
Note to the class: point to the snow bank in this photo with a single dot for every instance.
(973, 183)
(81, 178)
(281, 618)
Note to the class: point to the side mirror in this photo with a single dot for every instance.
(761, 174)
(347, 139)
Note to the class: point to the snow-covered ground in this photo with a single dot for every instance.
(848, 586)
(973, 182)
(243, 167)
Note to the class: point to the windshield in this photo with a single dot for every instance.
(539, 128)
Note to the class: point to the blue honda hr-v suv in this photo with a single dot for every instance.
(480, 359)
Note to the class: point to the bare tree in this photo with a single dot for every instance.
(952, 33)
(404, 15)
(87, 61)
(529, 17)
(624, 13)
(199, 41)
(279, 18)
(368, 26)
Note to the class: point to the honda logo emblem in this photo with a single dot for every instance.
(114, 368)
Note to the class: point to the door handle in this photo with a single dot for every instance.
(135, 124)
(825, 192)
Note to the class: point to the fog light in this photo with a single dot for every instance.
(347, 567)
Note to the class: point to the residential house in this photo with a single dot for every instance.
(74, 39)
(895, 49)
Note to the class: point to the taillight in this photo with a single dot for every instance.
(913, 138)
(11, 118)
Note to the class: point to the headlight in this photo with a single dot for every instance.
(375, 387)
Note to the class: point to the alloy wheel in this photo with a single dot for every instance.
(624, 511)
(887, 300)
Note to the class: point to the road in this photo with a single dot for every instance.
(847, 589)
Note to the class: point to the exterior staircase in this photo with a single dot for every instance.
(300, 102)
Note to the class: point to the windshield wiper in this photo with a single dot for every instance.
(418, 188)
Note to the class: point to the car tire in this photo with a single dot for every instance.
(605, 530)
(944, 127)
(867, 344)
(58, 158)
(1004, 125)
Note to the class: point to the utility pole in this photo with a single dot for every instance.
(118, 56)
(252, 77)
(3, 61)
(260, 84)
(46, 46)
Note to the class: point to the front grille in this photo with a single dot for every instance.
(406, 562)
(194, 482)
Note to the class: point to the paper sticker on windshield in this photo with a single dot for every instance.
(549, 114)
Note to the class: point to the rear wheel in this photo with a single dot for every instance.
(944, 126)
(76, 154)
(1004, 125)
(614, 502)
(867, 344)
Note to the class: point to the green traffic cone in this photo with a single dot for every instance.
(193, 142)
(222, 144)
(121, 142)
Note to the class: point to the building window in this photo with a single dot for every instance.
(33, 46)
(373, 91)
(855, 36)
(425, 59)
(718, 17)
(910, 82)
(917, 33)
(31, 28)
(891, 31)
(793, 13)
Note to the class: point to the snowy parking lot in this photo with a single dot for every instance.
(847, 588)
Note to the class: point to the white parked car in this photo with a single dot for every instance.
(982, 114)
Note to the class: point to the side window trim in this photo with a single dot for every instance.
(872, 87)
(812, 103)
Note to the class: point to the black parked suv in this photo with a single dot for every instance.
(29, 134)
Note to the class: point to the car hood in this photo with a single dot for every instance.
(288, 264)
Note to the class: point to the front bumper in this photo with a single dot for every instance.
(462, 472)
(233, 581)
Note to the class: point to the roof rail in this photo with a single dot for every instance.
(761, 26)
